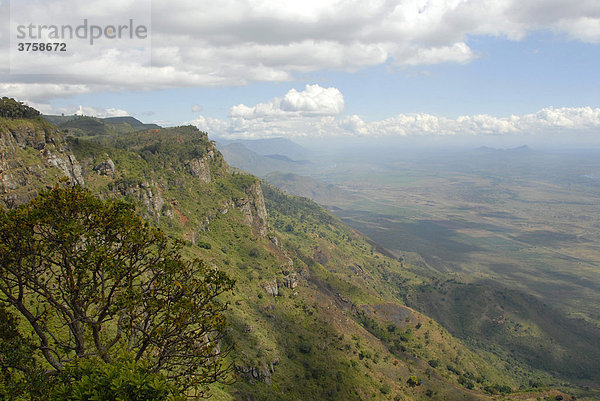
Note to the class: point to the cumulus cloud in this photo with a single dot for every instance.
(96, 112)
(234, 42)
(548, 120)
(312, 101)
(37, 92)
(315, 112)
(80, 110)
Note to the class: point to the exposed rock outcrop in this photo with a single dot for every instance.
(149, 194)
(224, 209)
(290, 281)
(262, 373)
(7, 180)
(271, 288)
(27, 150)
(106, 167)
(200, 168)
(253, 208)
(67, 163)
(153, 201)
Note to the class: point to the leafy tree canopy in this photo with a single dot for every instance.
(93, 280)
(10, 108)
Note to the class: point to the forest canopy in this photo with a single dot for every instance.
(10, 108)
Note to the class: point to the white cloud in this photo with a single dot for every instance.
(312, 101)
(80, 110)
(567, 118)
(458, 53)
(234, 42)
(315, 111)
(96, 112)
(36, 92)
(548, 120)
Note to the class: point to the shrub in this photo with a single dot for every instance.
(124, 380)
(434, 363)
(204, 245)
(413, 381)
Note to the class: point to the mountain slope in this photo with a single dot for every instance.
(90, 126)
(317, 313)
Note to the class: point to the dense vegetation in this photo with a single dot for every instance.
(79, 125)
(94, 281)
(10, 108)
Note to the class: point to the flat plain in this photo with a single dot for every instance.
(526, 219)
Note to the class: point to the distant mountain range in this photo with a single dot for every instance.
(270, 146)
(322, 193)
(264, 156)
(518, 149)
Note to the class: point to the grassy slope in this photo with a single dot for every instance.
(343, 333)
(470, 235)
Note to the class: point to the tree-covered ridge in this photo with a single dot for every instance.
(10, 108)
(167, 146)
(86, 126)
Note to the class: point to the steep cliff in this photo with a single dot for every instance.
(33, 152)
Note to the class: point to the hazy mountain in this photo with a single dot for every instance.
(271, 146)
(518, 149)
(238, 155)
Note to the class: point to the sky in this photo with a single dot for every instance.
(318, 69)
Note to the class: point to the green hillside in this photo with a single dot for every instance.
(507, 271)
(91, 126)
(318, 313)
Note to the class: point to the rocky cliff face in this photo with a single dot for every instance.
(31, 152)
(34, 154)
(149, 193)
(253, 207)
(200, 168)
(105, 167)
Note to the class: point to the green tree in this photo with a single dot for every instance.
(413, 381)
(10, 108)
(123, 380)
(20, 376)
(92, 280)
